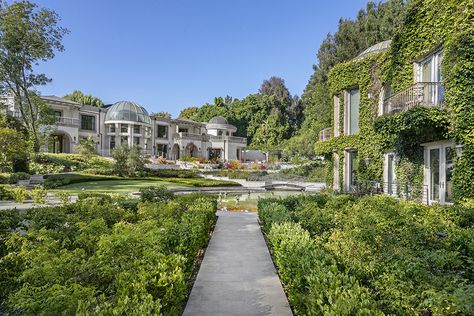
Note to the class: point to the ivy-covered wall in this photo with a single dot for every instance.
(429, 25)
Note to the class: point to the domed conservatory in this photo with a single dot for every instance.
(126, 123)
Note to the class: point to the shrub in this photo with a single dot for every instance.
(63, 196)
(6, 192)
(406, 257)
(155, 194)
(100, 257)
(19, 194)
(87, 147)
(39, 194)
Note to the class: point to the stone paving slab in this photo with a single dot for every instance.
(237, 275)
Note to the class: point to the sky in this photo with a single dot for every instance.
(168, 55)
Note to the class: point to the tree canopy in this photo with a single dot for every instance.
(28, 35)
(79, 97)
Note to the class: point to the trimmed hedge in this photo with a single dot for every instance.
(102, 256)
(393, 257)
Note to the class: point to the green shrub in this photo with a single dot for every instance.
(19, 194)
(39, 194)
(406, 257)
(6, 192)
(109, 256)
(63, 196)
(155, 194)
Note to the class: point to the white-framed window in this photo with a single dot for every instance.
(351, 113)
(336, 115)
(428, 75)
(390, 184)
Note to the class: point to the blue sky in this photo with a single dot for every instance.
(168, 55)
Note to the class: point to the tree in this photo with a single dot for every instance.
(162, 114)
(275, 86)
(135, 160)
(28, 35)
(376, 23)
(79, 97)
(120, 155)
(14, 148)
(87, 146)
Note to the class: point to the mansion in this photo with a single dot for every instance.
(128, 123)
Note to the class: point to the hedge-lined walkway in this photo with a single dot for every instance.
(237, 276)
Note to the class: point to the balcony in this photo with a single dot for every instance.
(67, 121)
(430, 94)
(231, 139)
(325, 134)
(190, 136)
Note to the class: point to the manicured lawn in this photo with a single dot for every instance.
(76, 183)
(117, 186)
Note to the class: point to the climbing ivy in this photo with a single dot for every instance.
(430, 25)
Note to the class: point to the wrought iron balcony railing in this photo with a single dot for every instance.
(420, 94)
(398, 190)
(325, 134)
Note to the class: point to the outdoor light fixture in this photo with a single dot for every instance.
(367, 161)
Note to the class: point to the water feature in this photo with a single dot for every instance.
(247, 202)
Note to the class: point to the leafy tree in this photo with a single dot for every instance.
(161, 114)
(135, 160)
(376, 23)
(14, 147)
(79, 97)
(120, 155)
(87, 146)
(275, 86)
(28, 35)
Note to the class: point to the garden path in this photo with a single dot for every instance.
(237, 275)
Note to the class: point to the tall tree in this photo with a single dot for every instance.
(28, 35)
(376, 23)
(79, 97)
(275, 86)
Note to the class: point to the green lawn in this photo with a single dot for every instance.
(76, 183)
(117, 186)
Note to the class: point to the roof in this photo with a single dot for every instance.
(56, 99)
(219, 120)
(377, 48)
(127, 111)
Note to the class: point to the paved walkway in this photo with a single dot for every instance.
(237, 276)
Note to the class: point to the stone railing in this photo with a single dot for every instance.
(232, 139)
(190, 136)
(325, 134)
(67, 121)
(419, 94)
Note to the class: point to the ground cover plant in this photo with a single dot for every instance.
(102, 255)
(373, 255)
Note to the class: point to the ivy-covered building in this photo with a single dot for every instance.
(403, 110)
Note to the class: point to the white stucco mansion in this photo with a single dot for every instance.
(128, 123)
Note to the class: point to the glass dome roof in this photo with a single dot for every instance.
(127, 111)
(377, 48)
(218, 120)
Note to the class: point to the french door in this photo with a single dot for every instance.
(439, 166)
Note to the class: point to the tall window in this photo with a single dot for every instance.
(58, 115)
(112, 128)
(429, 72)
(336, 116)
(124, 128)
(136, 141)
(161, 150)
(88, 122)
(162, 131)
(352, 118)
(112, 142)
(136, 129)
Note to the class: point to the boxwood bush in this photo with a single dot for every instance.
(102, 256)
(341, 255)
